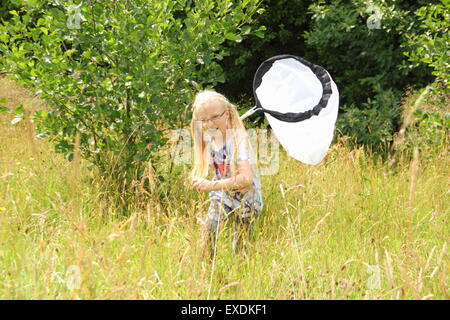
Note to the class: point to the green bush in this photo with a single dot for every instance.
(278, 30)
(360, 44)
(430, 126)
(374, 123)
(430, 45)
(119, 72)
(366, 60)
(5, 7)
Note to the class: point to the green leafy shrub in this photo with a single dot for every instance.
(430, 45)
(277, 30)
(119, 72)
(5, 8)
(430, 126)
(360, 44)
(374, 123)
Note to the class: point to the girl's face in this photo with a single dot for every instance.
(214, 116)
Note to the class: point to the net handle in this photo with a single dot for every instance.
(250, 112)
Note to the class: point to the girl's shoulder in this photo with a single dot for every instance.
(243, 151)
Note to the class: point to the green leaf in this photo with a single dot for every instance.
(4, 109)
(4, 38)
(246, 29)
(259, 34)
(231, 36)
(19, 110)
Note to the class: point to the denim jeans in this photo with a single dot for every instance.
(222, 208)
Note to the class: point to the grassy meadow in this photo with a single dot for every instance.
(349, 228)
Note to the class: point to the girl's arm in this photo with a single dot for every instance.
(242, 179)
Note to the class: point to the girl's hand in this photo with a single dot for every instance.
(203, 185)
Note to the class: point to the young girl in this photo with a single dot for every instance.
(220, 140)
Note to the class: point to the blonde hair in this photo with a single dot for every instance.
(201, 156)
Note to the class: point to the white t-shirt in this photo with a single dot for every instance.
(220, 160)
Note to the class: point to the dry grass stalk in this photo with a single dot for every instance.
(30, 132)
(232, 284)
(321, 221)
(427, 264)
(149, 174)
(144, 255)
(389, 270)
(441, 256)
(420, 282)
(406, 286)
(414, 170)
(400, 137)
(295, 187)
(76, 160)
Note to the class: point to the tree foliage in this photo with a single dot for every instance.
(430, 45)
(119, 72)
(362, 45)
(128, 70)
(277, 31)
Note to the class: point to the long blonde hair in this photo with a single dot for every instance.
(240, 136)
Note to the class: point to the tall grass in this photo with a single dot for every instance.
(349, 228)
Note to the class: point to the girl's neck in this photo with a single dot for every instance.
(218, 142)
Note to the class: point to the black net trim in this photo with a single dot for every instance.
(321, 74)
